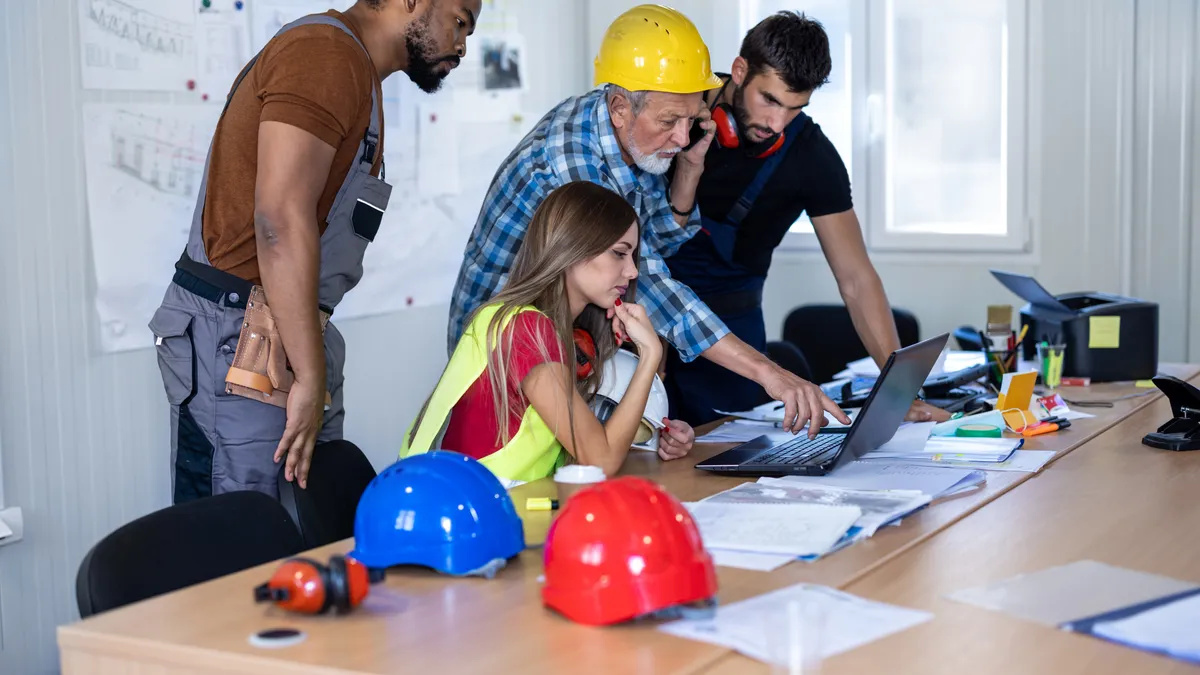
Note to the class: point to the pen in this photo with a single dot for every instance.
(1044, 428)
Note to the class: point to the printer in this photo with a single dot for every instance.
(1107, 338)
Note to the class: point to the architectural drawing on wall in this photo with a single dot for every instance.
(163, 154)
(144, 164)
(137, 44)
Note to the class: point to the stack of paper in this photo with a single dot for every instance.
(950, 361)
(1166, 627)
(786, 529)
(742, 430)
(773, 411)
(759, 627)
(741, 527)
(913, 442)
(936, 482)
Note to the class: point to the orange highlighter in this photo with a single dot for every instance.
(1046, 426)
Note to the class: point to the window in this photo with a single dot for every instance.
(925, 104)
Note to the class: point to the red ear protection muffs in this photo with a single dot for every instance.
(585, 353)
(728, 136)
(306, 586)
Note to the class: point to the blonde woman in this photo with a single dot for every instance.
(511, 395)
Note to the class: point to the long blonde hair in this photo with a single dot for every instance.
(573, 224)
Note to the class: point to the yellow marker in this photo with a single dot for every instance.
(541, 504)
(1104, 332)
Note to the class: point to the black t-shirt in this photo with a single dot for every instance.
(811, 177)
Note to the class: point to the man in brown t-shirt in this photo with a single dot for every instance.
(292, 196)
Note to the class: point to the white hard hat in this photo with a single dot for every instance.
(615, 379)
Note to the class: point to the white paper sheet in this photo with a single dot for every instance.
(437, 150)
(773, 411)
(222, 47)
(143, 45)
(793, 529)
(745, 560)
(1170, 629)
(878, 507)
(144, 164)
(933, 481)
(740, 431)
(949, 361)
(1029, 461)
(910, 438)
(847, 621)
(950, 449)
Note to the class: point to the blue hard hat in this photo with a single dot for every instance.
(439, 509)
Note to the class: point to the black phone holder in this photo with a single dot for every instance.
(1183, 431)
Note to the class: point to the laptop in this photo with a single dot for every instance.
(899, 382)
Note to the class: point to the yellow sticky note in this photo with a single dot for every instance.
(1145, 384)
(1104, 332)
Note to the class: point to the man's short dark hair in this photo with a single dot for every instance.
(793, 45)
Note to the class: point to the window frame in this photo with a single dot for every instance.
(869, 145)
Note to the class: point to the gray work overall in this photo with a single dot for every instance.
(222, 441)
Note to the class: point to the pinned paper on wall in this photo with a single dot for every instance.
(141, 45)
(1104, 332)
(144, 164)
(222, 46)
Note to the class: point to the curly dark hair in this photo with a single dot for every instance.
(793, 45)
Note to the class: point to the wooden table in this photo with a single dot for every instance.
(1113, 500)
(419, 621)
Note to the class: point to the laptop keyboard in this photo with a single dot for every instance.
(800, 450)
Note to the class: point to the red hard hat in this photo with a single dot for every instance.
(621, 549)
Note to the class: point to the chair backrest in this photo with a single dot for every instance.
(183, 545)
(324, 510)
(825, 335)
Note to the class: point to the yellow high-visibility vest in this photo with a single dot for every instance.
(532, 453)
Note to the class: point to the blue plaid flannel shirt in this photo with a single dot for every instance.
(576, 141)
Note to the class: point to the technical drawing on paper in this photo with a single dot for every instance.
(137, 44)
(164, 154)
(144, 167)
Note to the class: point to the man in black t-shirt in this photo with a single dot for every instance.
(768, 164)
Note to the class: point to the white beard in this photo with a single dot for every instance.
(649, 163)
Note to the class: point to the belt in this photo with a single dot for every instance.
(215, 285)
(734, 302)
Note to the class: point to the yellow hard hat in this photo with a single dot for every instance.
(654, 48)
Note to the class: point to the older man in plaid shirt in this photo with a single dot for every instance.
(624, 135)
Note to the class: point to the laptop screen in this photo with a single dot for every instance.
(899, 382)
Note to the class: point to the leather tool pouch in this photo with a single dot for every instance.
(260, 369)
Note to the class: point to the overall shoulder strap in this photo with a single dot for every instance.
(371, 141)
(750, 194)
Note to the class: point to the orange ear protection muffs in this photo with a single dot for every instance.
(728, 136)
(306, 586)
(585, 353)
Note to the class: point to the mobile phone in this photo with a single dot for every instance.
(694, 135)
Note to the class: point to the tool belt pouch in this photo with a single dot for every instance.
(260, 369)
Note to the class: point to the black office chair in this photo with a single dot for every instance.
(183, 545)
(826, 336)
(324, 510)
(787, 356)
(790, 358)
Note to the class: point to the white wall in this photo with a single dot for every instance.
(84, 435)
